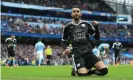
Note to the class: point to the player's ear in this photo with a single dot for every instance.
(71, 15)
(80, 14)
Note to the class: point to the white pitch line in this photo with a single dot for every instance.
(65, 78)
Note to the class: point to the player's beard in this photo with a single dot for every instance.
(76, 18)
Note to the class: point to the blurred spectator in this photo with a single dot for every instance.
(55, 26)
(91, 5)
(46, 26)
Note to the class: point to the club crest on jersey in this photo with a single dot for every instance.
(78, 64)
(83, 25)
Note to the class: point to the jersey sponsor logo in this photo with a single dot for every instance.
(83, 25)
(79, 35)
(71, 27)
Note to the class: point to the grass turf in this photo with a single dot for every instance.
(122, 72)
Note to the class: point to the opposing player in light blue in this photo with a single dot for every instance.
(39, 50)
(96, 52)
(104, 50)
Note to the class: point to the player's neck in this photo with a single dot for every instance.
(76, 21)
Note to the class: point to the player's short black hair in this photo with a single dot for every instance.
(76, 6)
(39, 40)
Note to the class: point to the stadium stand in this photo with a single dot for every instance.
(42, 25)
(91, 5)
(35, 24)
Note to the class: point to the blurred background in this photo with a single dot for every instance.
(30, 20)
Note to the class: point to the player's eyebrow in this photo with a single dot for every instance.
(76, 11)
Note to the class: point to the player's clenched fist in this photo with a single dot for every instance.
(67, 51)
(95, 22)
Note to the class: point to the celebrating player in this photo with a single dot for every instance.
(77, 33)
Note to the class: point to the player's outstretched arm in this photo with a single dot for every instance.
(95, 25)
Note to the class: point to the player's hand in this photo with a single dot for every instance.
(95, 23)
(67, 51)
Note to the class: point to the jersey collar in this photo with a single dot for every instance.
(78, 23)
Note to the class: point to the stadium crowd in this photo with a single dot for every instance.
(91, 5)
(116, 31)
(25, 55)
(41, 25)
(9, 24)
(129, 50)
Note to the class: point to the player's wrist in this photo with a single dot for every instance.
(94, 23)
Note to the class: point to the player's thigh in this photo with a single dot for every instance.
(88, 63)
(80, 65)
(10, 50)
(99, 65)
(12, 54)
(116, 54)
(39, 55)
(94, 61)
(49, 56)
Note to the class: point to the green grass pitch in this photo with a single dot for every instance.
(121, 72)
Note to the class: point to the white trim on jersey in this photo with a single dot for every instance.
(10, 39)
(116, 43)
(92, 26)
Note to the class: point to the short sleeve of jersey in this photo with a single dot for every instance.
(65, 33)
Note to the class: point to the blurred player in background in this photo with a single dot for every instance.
(96, 51)
(48, 53)
(104, 51)
(39, 50)
(77, 33)
(68, 50)
(117, 46)
(11, 45)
